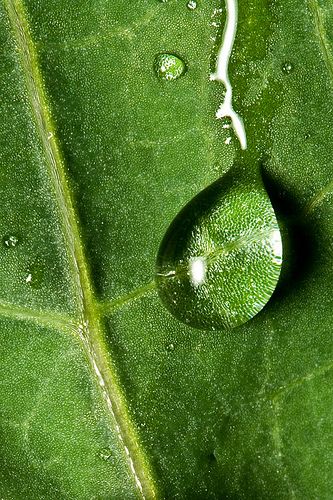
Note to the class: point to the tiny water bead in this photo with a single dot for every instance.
(34, 275)
(287, 67)
(192, 4)
(106, 454)
(10, 241)
(169, 66)
(221, 257)
(170, 347)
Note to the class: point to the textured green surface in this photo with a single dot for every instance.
(93, 171)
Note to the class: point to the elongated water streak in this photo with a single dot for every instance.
(221, 73)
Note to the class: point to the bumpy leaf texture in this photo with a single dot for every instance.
(104, 394)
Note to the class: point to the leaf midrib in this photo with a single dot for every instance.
(89, 330)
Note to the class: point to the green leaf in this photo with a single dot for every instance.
(104, 394)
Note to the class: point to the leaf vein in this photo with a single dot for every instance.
(135, 294)
(90, 333)
(44, 318)
(278, 445)
(308, 377)
(322, 36)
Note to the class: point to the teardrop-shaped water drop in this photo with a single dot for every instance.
(220, 259)
(169, 66)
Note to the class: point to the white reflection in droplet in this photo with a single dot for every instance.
(276, 244)
(197, 270)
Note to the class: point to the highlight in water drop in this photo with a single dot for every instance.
(169, 66)
(10, 241)
(221, 257)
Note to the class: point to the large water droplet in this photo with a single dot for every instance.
(220, 259)
(169, 66)
(10, 241)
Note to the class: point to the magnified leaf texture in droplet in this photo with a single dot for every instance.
(220, 260)
(169, 66)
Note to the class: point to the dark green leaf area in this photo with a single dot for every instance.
(220, 260)
(237, 395)
(267, 374)
(200, 372)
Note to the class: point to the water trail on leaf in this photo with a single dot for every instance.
(221, 73)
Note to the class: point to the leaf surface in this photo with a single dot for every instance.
(104, 394)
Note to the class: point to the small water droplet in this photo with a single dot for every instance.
(10, 241)
(34, 275)
(169, 66)
(170, 347)
(106, 454)
(287, 67)
(221, 257)
(192, 4)
(217, 12)
(226, 123)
